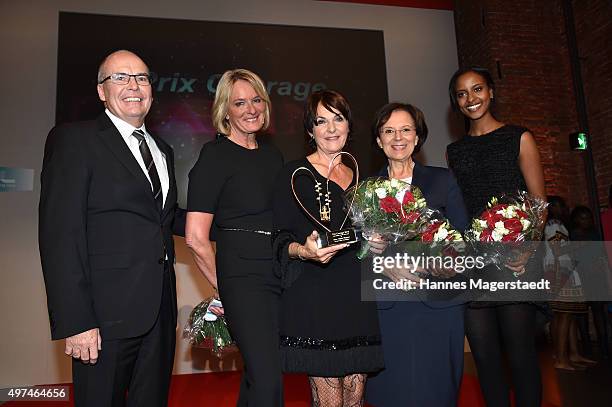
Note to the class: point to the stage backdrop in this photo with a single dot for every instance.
(187, 58)
(420, 56)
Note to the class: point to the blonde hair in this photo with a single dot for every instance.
(224, 92)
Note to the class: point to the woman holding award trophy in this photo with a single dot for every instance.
(326, 330)
(229, 201)
(422, 340)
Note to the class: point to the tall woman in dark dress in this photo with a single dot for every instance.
(495, 158)
(422, 340)
(326, 330)
(230, 201)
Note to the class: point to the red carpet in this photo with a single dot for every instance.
(221, 390)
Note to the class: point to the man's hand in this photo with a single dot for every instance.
(84, 346)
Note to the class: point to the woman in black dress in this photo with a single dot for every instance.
(492, 159)
(326, 330)
(230, 201)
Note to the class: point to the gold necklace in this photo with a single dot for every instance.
(324, 204)
(324, 200)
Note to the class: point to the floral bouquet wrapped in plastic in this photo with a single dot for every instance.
(512, 223)
(391, 209)
(442, 237)
(207, 330)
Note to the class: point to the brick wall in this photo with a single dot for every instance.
(593, 19)
(523, 44)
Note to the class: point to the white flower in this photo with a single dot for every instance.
(525, 224)
(394, 183)
(499, 232)
(368, 194)
(508, 212)
(381, 193)
(482, 223)
(400, 195)
(440, 235)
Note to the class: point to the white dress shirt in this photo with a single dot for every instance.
(126, 130)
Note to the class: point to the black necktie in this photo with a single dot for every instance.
(150, 166)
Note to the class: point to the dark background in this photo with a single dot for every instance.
(296, 58)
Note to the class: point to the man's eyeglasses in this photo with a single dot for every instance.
(120, 78)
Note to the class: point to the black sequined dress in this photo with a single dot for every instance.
(326, 329)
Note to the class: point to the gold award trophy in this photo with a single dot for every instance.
(329, 238)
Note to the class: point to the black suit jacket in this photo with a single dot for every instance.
(102, 240)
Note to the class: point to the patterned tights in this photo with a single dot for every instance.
(344, 391)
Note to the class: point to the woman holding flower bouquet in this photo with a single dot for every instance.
(229, 201)
(422, 340)
(492, 159)
(326, 330)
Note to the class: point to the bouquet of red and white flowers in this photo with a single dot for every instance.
(440, 234)
(509, 221)
(391, 209)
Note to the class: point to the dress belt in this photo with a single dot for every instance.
(260, 232)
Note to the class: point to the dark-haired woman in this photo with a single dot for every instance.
(569, 301)
(491, 159)
(592, 268)
(422, 340)
(326, 330)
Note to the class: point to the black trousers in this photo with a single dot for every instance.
(493, 331)
(140, 366)
(251, 304)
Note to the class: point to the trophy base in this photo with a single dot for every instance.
(342, 236)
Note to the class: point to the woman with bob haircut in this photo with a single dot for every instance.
(494, 158)
(229, 201)
(422, 340)
(326, 330)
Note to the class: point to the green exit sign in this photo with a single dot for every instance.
(578, 141)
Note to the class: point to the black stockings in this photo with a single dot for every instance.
(509, 329)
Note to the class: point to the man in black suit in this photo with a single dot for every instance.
(106, 219)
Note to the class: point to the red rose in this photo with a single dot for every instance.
(513, 225)
(521, 214)
(428, 236)
(485, 236)
(491, 217)
(430, 232)
(511, 237)
(408, 198)
(389, 205)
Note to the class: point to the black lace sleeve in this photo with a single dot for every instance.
(289, 224)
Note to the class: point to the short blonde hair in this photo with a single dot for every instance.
(224, 92)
